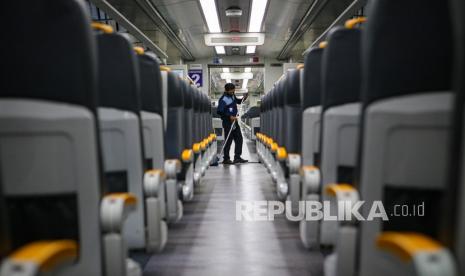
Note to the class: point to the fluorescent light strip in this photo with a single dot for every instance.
(220, 50)
(244, 83)
(250, 49)
(247, 69)
(256, 16)
(228, 81)
(225, 70)
(236, 76)
(211, 15)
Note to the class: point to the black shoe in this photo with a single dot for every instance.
(240, 160)
(227, 162)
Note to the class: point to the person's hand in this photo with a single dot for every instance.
(232, 118)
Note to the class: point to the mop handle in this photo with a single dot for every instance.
(230, 130)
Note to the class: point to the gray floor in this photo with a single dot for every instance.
(209, 241)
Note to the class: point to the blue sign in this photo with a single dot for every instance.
(196, 76)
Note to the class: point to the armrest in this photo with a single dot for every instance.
(153, 180)
(406, 245)
(293, 163)
(311, 178)
(344, 193)
(196, 148)
(281, 154)
(203, 145)
(426, 256)
(40, 256)
(187, 156)
(274, 147)
(172, 168)
(114, 209)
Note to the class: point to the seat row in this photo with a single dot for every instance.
(369, 118)
(100, 145)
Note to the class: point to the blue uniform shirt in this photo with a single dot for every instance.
(227, 106)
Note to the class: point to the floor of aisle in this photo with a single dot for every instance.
(209, 241)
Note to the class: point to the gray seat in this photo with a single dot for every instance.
(153, 134)
(293, 136)
(405, 133)
(188, 154)
(311, 105)
(174, 145)
(120, 126)
(51, 186)
(341, 79)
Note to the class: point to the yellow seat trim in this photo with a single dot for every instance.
(47, 254)
(139, 50)
(309, 168)
(300, 66)
(128, 198)
(323, 44)
(281, 153)
(186, 155)
(165, 68)
(107, 29)
(351, 23)
(196, 147)
(406, 245)
(274, 147)
(332, 189)
(156, 171)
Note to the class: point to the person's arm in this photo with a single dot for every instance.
(221, 107)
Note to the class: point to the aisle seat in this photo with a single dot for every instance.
(53, 215)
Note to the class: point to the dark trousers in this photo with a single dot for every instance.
(235, 135)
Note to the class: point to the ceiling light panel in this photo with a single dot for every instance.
(211, 15)
(236, 76)
(220, 50)
(250, 49)
(256, 15)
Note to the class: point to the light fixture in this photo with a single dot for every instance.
(226, 70)
(250, 49)
(247, 69)
(228, 81)
(220, 50)
(236, 76)
(234, 12)
(211, 15)
(256, 15)
(244, 83)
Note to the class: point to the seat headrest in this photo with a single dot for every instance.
(311, 94)
(282, 92)
(406, 48)
(341, 71)
(118, 73)
(150, 84)
(175, 91)
(62, 66)
(292, 92)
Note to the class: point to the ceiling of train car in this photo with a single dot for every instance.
(178, 26)
(185, 17)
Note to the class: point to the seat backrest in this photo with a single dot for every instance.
(174, 143)
(196, 109)
(341, 72)
(293, 111)
(188, 115)
(50, 176)
(274, 113)
(399, 56)
(311, 94)
(282, 127)
(119, 84)
(119, 88)
(150, 84)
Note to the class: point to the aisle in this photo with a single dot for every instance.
(209, 241)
